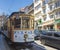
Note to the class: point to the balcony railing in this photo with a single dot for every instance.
(50, 1)
(44, 14)
(57, 16)
(58, 7)
(51, 10)
(31, 10)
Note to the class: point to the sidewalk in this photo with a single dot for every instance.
(3, 44)
(47, 47)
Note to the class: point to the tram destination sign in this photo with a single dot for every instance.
(26, 18)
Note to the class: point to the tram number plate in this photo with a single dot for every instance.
(30, 32)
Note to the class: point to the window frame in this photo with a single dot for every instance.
(15, 23)
(23, 19)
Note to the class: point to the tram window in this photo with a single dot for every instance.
(5, 27)
(17, 23)
(25, 22)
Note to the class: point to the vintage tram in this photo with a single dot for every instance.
(19, 28)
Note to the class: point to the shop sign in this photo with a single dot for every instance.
(57, 21)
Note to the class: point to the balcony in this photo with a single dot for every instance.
(37, 18)
(57, 8)
(51, 1)
(43, 6)
(31, 10)
(54, 9)
(44, 14)
(37, 11)
(51, 11)
(57, 16)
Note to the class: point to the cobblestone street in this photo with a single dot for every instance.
(3, 44)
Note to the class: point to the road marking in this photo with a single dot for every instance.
(39, 46)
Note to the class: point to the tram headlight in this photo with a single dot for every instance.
(25, 36)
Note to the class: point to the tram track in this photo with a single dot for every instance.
(21, 48)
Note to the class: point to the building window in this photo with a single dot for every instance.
(36, 1)
(56, 13)
(44, 18)
(57, 4)
(37, 7)
(51, 7)
(43, 4)
(51, 16)
(44, 10)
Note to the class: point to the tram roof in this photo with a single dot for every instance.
(22, 13)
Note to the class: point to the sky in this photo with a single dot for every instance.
(9, 6)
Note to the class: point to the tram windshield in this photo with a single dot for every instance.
(25, 22)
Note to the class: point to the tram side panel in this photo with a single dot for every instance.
(11, 30)
(19, 36)
(7, 29)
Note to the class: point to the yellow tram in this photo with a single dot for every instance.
(19, 27)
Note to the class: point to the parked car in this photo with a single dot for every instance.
(51, 38)
(36, 34)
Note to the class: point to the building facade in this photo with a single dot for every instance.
(29, 9)
(2, 21)
(47, 14)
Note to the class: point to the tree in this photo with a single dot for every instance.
(40, 21)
